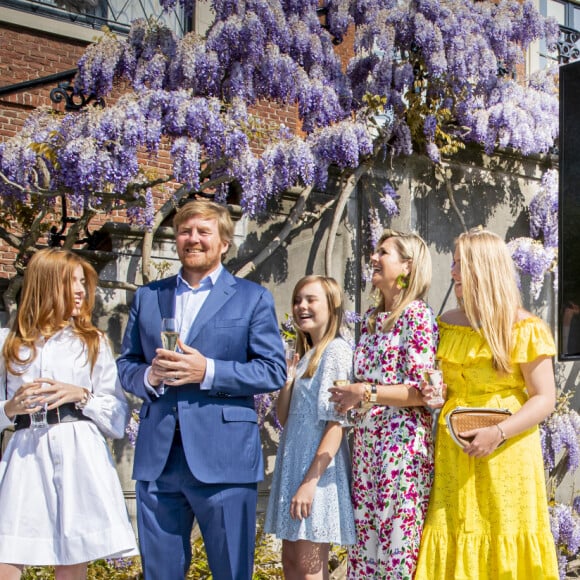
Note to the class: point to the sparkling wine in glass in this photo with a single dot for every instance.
(169, 334)
(435, 378)
(290, 352)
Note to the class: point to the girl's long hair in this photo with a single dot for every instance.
(333, 295)
(491, 298)
(413, 248)
(47, 304)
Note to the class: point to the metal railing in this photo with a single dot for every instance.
(567, 45)
(116, 14)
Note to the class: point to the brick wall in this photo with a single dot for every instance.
(29, 54)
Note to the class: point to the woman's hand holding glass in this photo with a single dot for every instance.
(37, 397)
(347, 396)
(24, 401)
(433, 389)
(53, 393)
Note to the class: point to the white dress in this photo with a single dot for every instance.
(61, 501)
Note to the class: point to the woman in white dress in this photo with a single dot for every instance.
(310, 505)
(61, 502)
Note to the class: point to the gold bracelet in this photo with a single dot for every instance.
(501, 433)
(367, 394)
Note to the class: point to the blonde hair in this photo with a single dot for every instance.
(333, 294)
(207, 210)
(47, 305)
(411, 247)
(491, 298)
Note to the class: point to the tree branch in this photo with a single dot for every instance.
(27, 246)
(117, 285)
(451, 196)
(346, 192)
(9, 238)
(81, 224)
(147, 243)
(9, 297)
(294, 218)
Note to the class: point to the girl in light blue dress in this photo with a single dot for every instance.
(310, 506)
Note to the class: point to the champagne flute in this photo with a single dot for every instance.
(169, 334)
(342, 380)
(290, 352)
(434, 377)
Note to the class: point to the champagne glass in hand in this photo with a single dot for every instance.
(290, 351)
(435, 378)
(169, 334)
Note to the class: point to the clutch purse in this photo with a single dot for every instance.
(463, 419)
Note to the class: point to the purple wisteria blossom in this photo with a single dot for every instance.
(560, 432)
(265, 406)
(389, 199)
(375, 226)
(565, 525)
(544, 210)
(351, 317)
(419, 71)
(132, 428)
(534, 259)
(367, 273)
(537, 256)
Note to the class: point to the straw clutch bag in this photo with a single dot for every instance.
(463, 419)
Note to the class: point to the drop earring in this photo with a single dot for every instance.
(402, 281)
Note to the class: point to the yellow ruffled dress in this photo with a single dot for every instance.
(488, 517)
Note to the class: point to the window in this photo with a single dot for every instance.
(567, 15)
(116, 14)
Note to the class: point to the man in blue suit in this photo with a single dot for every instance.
(198, 452)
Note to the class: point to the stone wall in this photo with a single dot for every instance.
(491, 191)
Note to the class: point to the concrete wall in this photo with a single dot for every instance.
(491, 191)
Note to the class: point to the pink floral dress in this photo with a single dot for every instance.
(393, 449)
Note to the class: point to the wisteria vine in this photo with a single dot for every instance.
(437, 73)
(537, 255)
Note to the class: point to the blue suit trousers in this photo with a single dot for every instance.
(167, 508)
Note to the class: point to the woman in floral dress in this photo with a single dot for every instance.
(393, 446)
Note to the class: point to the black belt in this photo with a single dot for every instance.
(66, 413)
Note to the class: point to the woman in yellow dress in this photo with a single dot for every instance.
(488, 513)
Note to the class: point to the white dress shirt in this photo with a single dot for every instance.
(188, 303)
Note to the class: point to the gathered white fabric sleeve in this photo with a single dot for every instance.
(335, 363)
(108, 408)
(4, 420)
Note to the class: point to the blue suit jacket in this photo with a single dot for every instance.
(237, 327)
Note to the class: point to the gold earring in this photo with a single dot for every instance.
(402, 281)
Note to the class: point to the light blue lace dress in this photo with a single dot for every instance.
(332, 519)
